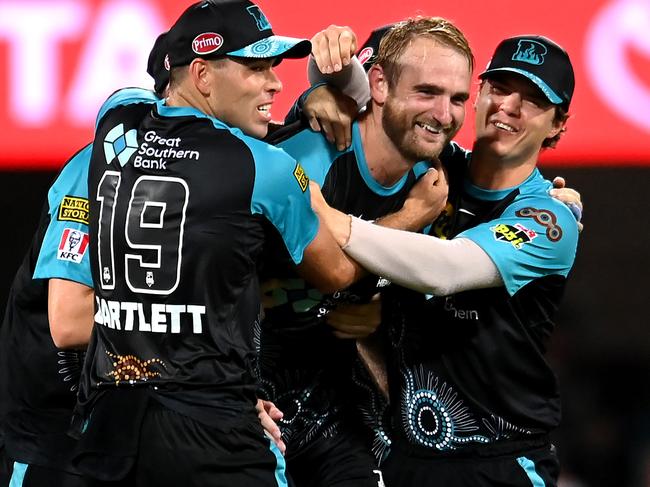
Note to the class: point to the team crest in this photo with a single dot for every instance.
(531, 52)
(301, 177)
(517, 235)
(73, 245)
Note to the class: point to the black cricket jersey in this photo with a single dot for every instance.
(180, 206)
(304, 368)
(39, 381)
(468, 371)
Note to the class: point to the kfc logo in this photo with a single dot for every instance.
(73, 245)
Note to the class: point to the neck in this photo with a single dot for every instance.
(491, 171)
(181, 96)
(386, 164)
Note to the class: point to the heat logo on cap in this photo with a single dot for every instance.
(531, 52)
(260, 19)
(207, 43)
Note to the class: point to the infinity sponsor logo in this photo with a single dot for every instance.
(207, 43)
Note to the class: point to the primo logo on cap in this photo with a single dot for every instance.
(207, 43)
(531, 52)
(120, 144)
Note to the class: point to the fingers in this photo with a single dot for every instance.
(333, 48)
(559, 182)
(269, 425)
(567, 195)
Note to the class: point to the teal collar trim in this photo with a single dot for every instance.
(371, 182)
(496, 194)
(167, 111)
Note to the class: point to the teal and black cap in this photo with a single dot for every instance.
(158, 64)
(368, 52)
(216, 28)
(540, 60)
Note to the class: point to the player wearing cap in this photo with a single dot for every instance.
(182, 196)
(304, 363)
(474, 399)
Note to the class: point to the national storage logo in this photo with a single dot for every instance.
(74, 209)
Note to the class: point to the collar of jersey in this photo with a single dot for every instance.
(167, 111)
(496, 194)
(371, 182)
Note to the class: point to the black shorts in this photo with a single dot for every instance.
(537, 467)
(342, 460)
(165, 448)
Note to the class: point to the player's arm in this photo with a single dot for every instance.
(412, 260)
(325, 266)
(70, 311)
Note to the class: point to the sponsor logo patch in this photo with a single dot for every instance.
(517, 235)
(74, 209)
(301, 177)
(365, 55)
(207, 43)
(545, 218)
(73, 245)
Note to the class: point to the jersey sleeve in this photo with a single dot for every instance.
(126, 96)
(534, 237)
(64, 250)
(281, 194)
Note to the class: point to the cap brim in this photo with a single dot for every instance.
(275, 46)
(548, 92)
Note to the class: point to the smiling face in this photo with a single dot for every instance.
(513, 118)
(244, 94)
(425, 106)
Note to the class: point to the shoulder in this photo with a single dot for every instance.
(126, 96)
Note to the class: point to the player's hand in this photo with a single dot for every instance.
(427, 198)
(268, 415)
(569, 197)
(337, 222)
(355, 320)
(333, 48)
(331, 112)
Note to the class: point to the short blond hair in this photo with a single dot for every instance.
(397, 39)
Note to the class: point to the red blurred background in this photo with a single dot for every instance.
(59, 60)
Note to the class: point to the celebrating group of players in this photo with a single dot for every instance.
(350, 299)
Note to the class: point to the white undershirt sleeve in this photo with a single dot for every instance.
(421, 262)
(351, 80)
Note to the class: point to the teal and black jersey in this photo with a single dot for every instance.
(181, 204)
(469, 369)
(302, 363)
(38, 382)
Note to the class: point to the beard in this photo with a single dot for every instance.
(400, 130)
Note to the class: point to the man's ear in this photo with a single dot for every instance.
(199, 72)
(378, 84)
(558, 127)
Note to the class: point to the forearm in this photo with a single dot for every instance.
(351, 80)
(421, 262)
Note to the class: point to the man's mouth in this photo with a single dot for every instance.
(430, 128)
(505, 126)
